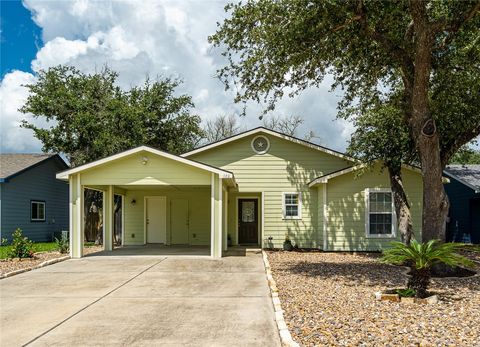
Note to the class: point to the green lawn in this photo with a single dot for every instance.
(37, 247)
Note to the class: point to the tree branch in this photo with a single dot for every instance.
(458, 142)
(454, 26)
(397, 53)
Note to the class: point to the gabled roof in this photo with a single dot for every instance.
(13, 164)
(223, 173)
(272, 133)
(327, 177)
(468, 175)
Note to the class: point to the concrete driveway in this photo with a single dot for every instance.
(128, 300)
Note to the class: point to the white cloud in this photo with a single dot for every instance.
(12, 96)
(157, 38)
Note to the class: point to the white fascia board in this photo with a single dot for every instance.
(272, 133)
(224, 174)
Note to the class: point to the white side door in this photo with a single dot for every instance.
(156, 219)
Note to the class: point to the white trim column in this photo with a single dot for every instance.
(108, 219)
(325, 218)
(225, 220)
(219, 211)
(76, 216)
(212, 215)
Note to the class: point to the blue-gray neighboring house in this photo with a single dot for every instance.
(31, 198)
(464, 194)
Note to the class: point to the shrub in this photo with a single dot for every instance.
(21, 246)
(63, 244)
(421, 257)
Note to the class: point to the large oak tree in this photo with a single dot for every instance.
(373, 49)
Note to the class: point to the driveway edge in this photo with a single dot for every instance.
(45, 263)
(285, 336)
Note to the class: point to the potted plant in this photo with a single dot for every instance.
(287, 244)
(421, 257)
(229, 240)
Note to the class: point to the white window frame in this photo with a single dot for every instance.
(253, 147)
(284, 210)
(39, 202)
(367, 215)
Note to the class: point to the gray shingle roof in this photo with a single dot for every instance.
(12, 163)
(467, 174)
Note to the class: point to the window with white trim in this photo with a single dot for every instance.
(37, 211)
(292, 205)
(380, 213)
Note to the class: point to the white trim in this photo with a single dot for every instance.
(367, 192)
(223, 174)
(123, 218)
(220, 213)
(225, 224)
(262, 221)
(80, 203)
(38, 202)
(212, 215)
(70, 215)
(326, 178)
(325, 218)
(299, 216)
(253, 147)
(272, 133)
(241, 197)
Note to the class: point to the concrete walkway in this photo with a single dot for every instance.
(123, 300)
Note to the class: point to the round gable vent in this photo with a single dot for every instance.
(260, 144)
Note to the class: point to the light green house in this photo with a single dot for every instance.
(253, 188)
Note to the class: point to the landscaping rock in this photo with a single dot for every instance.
(327, 301)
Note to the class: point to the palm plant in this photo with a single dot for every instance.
(421, 257)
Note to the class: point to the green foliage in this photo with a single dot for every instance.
(466, 155)
(90, 117)
(21, 246)
(421, 257)
(406, 293)
(63, 244)
(424, 255)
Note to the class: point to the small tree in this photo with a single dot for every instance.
(288, 125)
(220, 128)
(421, 257)
(22, 247)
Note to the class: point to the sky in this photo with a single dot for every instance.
(137, 39)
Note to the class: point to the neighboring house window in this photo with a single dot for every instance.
(292, 205)
(37, 211)
(380, 213)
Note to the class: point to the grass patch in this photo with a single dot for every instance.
(37, 247)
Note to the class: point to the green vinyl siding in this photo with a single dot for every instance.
(346, 208)
(286, 167)
(198, 212)
(157, 171)
(289, 167)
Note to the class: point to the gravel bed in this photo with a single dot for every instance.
(328, 300)
(9, 265)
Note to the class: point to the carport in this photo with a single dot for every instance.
(167, 200)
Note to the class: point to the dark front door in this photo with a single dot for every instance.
(248, 221)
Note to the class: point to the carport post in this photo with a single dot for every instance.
(76, 216)
(216, 216)
(108, 218)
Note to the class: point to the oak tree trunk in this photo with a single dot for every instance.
(402, 206)
(435, 202)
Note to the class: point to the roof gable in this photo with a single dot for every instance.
(263, 130)
(469, 175)
(223, 173)
(13, 164)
